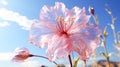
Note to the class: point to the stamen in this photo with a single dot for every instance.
(71, 21)
(63, 26)
(60, 25)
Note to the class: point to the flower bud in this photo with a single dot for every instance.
(105, 32)
(21, 54)
(91, 10)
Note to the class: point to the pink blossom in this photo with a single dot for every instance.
(64, 31)
(21, 54)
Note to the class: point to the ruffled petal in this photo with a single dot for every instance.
(50, 14)
(60, 52)
(78, 15)
(86, 30)
(83, 17)
(58, 47)
(86, 40)
(40, 34)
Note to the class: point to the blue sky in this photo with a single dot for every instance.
(16, 17)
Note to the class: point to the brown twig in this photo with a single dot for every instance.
(70, 60)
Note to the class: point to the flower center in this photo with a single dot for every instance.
(64, 25)
(64, 34)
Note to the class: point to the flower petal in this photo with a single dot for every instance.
(50, 14)
(56, 45)
(86, 38)
(39, 33)
(78, 14)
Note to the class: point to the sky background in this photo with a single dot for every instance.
(16, 16)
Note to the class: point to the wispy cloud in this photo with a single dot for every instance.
(31, 64)
(4, 24)
(4, 2)
(12, 16)
(6, 56)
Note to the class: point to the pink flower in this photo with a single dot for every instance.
(64, 31)
(21, 54)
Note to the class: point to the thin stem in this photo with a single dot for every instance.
(44, 58)
(108, 61)
(84, 63)
(106, 52)
(70, 60)
(76, 62)
(96, 19)
(115, 41)
(105, 49)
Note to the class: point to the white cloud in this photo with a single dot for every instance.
(4, 24)
(12, 16)
(6, 56)
(31, 64)
(4, 2)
